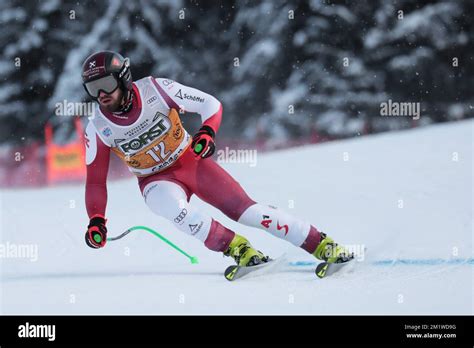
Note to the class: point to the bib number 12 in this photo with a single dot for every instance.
(158, 152)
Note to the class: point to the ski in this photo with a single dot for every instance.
(236, 272)
(325, 269)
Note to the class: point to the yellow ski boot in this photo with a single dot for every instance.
(243, 253)
(331, 252)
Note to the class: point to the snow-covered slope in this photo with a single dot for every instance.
(406, 196)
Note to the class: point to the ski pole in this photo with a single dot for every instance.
(193, 259)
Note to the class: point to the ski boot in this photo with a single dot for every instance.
(243, 253)
(331, 252)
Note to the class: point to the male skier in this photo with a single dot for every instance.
(139, 122)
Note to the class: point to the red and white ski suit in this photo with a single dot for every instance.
(153, 144)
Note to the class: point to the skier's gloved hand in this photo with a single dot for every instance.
(96, 234)
(203, 142)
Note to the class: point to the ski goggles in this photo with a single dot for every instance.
(108, 84)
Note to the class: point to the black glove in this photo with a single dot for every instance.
(96, 234)
(203, 142)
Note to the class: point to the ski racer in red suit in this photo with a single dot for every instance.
(139, 122)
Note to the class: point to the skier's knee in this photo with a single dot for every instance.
(169, 201)
(236, 207)
(165, 198)
(191, 221)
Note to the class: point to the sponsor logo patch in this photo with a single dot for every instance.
(195, 228)
(180, 95)
(135, 144)
(181, 216)
(107, 132)
(266, 221)
(153, 100)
